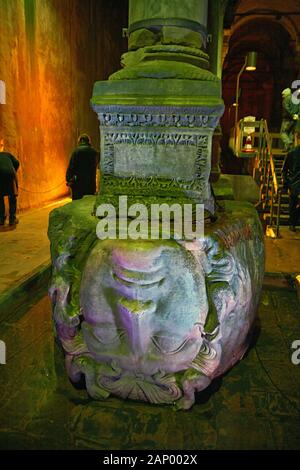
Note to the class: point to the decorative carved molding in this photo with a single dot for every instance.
(154, 138)
(150, 185)
(158, 119)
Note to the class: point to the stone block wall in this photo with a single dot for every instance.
(51, 53)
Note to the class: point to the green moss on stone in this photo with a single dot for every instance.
(164, 69)
(142, 37)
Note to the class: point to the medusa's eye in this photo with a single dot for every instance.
(169, 344)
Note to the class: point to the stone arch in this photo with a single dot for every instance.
(276, 69)
(286, 22)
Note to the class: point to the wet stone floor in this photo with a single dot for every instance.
(256, 405)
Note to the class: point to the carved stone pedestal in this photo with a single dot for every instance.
(162, 153)
(156, 320)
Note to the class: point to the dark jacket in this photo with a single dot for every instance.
(8, 174)
(81, 172)
(291, 170)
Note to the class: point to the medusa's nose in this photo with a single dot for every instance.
(136, 317)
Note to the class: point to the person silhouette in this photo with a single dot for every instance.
(9, 165)
(82, 168)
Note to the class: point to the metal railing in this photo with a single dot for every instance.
(264, 168)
